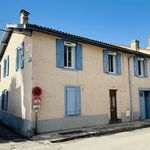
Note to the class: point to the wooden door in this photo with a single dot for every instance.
(113, 106)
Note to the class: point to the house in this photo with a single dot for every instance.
(84, 82)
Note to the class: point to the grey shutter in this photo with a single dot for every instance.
(5, 100)
(136, 70)
(4, 68)
(105, 61)
(145, 67)
(118, 63)
(17, 59)
(78, 59)
(60, 53)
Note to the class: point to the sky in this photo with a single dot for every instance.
(111, 21)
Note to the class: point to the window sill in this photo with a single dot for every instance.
(75, 115)
(111, 73)
(69, 69)
(138, 76)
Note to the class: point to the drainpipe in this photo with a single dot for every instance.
(130, 88)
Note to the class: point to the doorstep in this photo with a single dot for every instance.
(62, 136)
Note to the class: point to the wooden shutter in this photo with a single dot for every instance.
(145, 67)
(118, 63)
(78, 57)
(60, 53)
(136, 70)
(105, 61)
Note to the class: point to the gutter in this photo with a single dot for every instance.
(130, 89)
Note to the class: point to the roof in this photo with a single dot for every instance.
(67, 36)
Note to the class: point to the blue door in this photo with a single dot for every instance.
(142, 105)
(147, 104)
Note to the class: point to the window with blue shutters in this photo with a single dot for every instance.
(68, 55)
(72, 100)
(6, 67)
(140, 66)
(111, 62)
(4, 101)
(20, 57)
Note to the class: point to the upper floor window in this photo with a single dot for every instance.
(140, 66)
(111, 62)
(20, 57)
(6, 67)
(68, 55)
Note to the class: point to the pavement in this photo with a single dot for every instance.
(67, 135)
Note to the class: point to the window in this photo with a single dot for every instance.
(140, 66)
(72, 101)
(4, 102)
(6, 67)
(69, 56)
(20, 57)
(112, 62)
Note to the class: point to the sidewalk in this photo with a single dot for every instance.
(62, 136)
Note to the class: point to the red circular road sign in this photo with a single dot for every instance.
(37, 101)
(36, 91)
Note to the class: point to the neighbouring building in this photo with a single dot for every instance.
(84, 82)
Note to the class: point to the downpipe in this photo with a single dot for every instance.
(130, 88)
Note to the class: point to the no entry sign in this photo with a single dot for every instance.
(36, 91)
(37, 101)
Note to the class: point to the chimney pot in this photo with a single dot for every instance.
(135, 44)
(24, 16)
(148, 42)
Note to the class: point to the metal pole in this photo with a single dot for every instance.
(36, 110)
(130, 89)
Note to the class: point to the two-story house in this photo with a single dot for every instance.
(84, 82)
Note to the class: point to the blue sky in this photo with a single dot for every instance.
(112, 21)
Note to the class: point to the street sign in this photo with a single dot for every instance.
(37, 101)
(36, 106)
(36, 91)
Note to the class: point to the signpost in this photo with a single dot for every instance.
(36, 91)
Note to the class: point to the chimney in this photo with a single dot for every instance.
(135, 44)
(24, 16)
(148, 42)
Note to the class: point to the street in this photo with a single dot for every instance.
(133, 140)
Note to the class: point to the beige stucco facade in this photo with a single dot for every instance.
(42, 71)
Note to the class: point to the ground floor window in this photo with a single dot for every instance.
(4, 102)
(72, 100)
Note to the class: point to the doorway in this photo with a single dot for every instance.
(144, 104)
(113, 106)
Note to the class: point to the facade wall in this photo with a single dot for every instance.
(94, 83)
(19, 84)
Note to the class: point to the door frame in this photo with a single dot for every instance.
(113, 121)
(142, 90)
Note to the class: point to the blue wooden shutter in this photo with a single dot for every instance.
(22, 55)
(2, 102)
(118, 63)
(145, 67)
(70, 101)
(60, 53)
(4, 67)
(7, 66)
(136, 70)
(79, 65)
(78, 100)
(17, 59)
(105, 61)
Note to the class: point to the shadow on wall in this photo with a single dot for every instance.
(16, 115)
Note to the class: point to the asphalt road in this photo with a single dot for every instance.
(133, 140)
